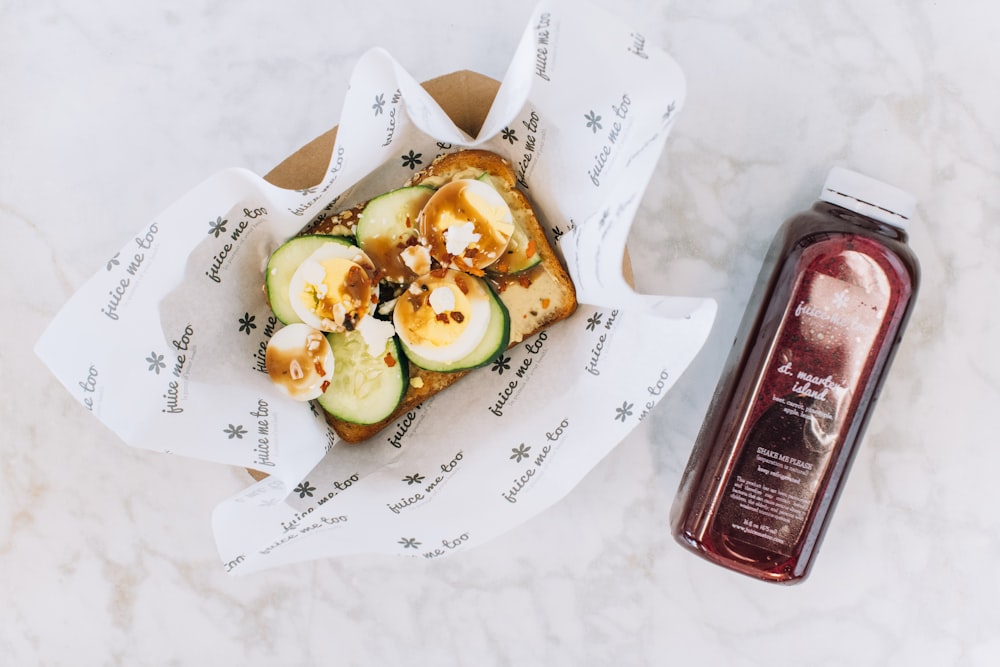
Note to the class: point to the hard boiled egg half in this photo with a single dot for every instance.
(443, 315)
(466, 225)
(300, 361)
(334, 288)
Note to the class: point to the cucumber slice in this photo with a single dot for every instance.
(365, 389)
(387, 224)
(282, 265)
(492, 344)
(521, 254)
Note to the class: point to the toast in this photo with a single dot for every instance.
(535, 298)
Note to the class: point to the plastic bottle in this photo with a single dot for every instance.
(800, 384)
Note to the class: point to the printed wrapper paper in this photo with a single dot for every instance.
(165, 343)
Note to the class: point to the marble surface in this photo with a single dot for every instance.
(111, 110)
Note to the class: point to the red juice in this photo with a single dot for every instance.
(810, 357)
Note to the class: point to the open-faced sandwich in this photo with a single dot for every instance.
(392, 301)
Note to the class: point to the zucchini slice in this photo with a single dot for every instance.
(365, 389)
(282, 266)
(521, 253)
(387, 225)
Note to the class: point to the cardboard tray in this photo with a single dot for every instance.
(464, 95)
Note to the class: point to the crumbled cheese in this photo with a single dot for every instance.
(314, 341)
(375, 333)
(417, 258)
(459, 237)
(386, 307)
(442, 300)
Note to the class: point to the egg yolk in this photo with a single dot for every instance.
(337, 291)
(443, 316)
(436, 315)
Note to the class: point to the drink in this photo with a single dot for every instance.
(800, 384)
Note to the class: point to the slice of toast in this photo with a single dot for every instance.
(535, 298)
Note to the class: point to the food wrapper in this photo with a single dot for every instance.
(168, 337)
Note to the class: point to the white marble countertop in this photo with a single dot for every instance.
(111, 110)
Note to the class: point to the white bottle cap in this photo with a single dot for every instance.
(869, 197)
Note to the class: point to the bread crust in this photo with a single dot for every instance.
(536, 298)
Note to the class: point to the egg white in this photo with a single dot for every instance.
(291, 342)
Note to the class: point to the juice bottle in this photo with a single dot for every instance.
(823, 323)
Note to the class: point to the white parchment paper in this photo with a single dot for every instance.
(168, 336)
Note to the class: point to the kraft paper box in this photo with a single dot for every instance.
(172, 327)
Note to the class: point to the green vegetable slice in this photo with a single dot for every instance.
(282, 266)
(365, 388)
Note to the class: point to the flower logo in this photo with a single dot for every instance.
(155, 362)
(246, 323)
(217, 227)
(593, 121)
(304, 489)
(501, 364)
(412, 159)
(520, 452)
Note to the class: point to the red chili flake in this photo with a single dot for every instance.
(461, 284)
(457, 316)
(524, 281)
(545, 303)
(326, 385)
(389, 360)
(529, 252)
(442, 317)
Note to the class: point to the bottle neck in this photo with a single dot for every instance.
(854, 218)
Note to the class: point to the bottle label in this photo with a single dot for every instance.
(805, 400)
